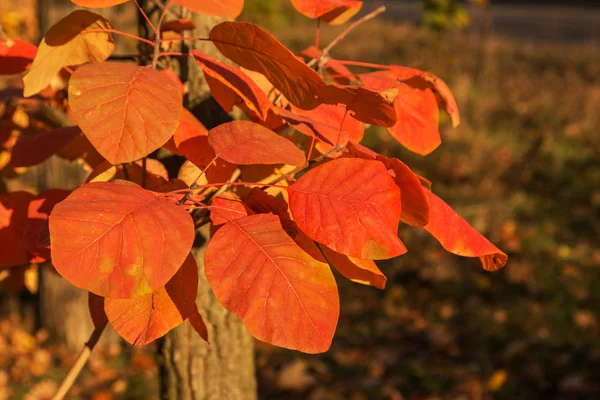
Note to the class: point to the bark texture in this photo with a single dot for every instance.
(191, 369)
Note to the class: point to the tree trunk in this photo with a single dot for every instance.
(189, 367)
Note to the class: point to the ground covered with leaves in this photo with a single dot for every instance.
(521, 168)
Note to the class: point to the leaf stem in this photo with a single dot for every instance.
(144, 173)
(187, 39)
(351, 27)
(137, 4)
(80, 362)
(363, 64)
(317, 33)
(125, 172)
(117, 32)
(158, 36)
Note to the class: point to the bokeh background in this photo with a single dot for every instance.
(523, 168)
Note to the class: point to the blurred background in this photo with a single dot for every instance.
(523, 168)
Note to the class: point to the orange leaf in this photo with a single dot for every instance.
(360, 271)
(98, 3)
(351, 205)
(156, 173)
(119, 240)
(15, 56)
(227, 207)
(336, 12)
(366, 105)
(458, 237)
(253, 48)
(126, 111)
(178, 25)
(341, 74)
(232, 80)
(68, 43)
(37, 224)
(325, 122)
(220, 8)
(420, 79)
(283, 295)
(415, 204)
(417, 111)
(80, 148)
(247, 143)
(13, 221)
(144, 319)
(32, 150)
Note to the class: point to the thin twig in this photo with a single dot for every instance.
(351, 27)
(144, 173)
(158, 37)
(125, 172)
(117, 32)
(305, 166)
(236, 174)
(80, 362)
(145, 16)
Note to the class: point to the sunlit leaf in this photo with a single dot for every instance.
(15, 56)
(244, 142)
(251, 47)
(126, 111)
(68, 43)
(336, 12)
(32, 150)
(458, 237)
(119, 240)
(156, 173)
(13, 222)
(282, 294)
(219, 8)
(144, 319)
(360, 271)
(227, 207)
(368, 106)
(340, 73)
(351, 205)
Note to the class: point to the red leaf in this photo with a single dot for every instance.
(460, 238)
(415, 204)
(38, 212)
(360, 271)
(366, 105)
(340, 73)
(96, 307)
(78, 38)
(247, 143)
(420, 79)
(325, 122)
(144, 319)
(220, 8)
(119, 240)
(227, 207)
(350, 205)
(13, 221)
(417, 111)
(15, 56)
(232, 80)
(98, 3)
(251, 47)
(282, 294)
(32, 150)
(80, 148)
(198, 324)
(336, 12)
(126, 111)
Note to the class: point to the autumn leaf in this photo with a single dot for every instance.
(246, 143)
(142, 320)
(119, 240)
(368, 106)
(232, 84)
(38, 211)
(360, 271)
(416, 109)
(220, 8)
(283, 295)
(80, 149)
(156, 173)
(336, 12)
(458, 237)
(338, 71)
(178, 25)
(68, 43)
(227, 207)
(126, 111)
(253, 48)
(33, 150)
(415, 203)
(98, 3)
(13, 222)
(15, 56)
(351, 205)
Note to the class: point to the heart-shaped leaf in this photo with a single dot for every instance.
(126, 111)
(246, 143)
(351, 205)
(283, 295)
(69, 42)
(119, 240)
(144, 319)
(251, 47)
